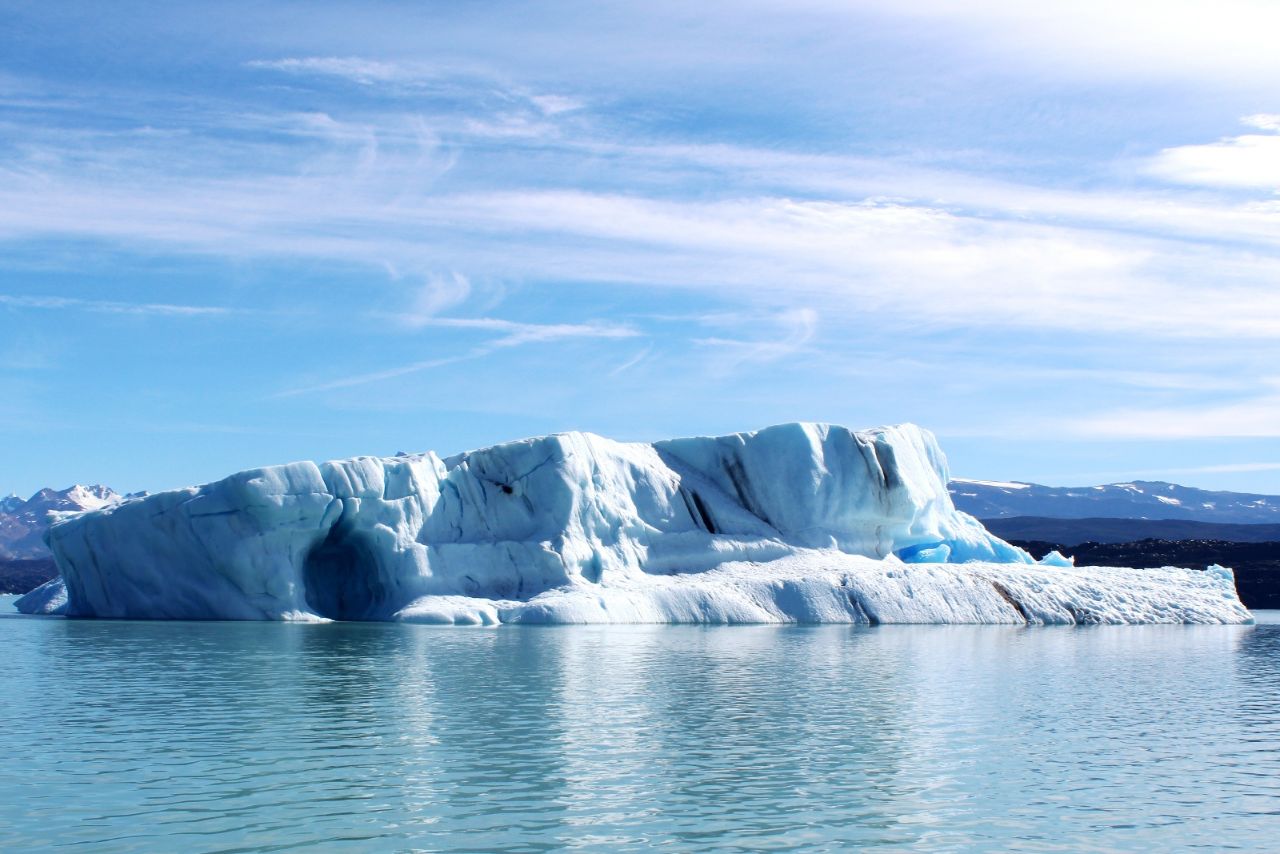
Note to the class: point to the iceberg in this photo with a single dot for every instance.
(793, 523)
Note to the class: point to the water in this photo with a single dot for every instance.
(130, 736)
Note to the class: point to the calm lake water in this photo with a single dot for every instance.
(131, 736)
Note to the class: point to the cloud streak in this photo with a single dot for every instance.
(911, 260)
(415, 78)
(509, 334)
(1256, 417)
(356, 69)
(54, 303)
(787, 230)
(798, 329)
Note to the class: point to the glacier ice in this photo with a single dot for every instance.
(797, 522)
(1057, 558)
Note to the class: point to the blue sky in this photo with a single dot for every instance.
(237, 234)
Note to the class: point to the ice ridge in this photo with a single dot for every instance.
(797, 522)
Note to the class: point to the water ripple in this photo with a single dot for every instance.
(128, 736)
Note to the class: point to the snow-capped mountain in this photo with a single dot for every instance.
(22, 523)
(1139, 499)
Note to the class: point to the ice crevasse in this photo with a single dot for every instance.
(793, 523)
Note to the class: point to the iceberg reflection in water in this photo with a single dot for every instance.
(210, 736)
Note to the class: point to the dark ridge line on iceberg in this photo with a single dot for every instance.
(1011, 599)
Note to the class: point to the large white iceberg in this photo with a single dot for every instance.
(798, 522)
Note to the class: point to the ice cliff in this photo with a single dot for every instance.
(798, 522)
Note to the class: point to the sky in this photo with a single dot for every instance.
(239, 234)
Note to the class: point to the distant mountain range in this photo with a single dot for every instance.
(23, 523)
(1139, 499)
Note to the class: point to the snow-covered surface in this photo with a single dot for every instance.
(799, 522)
(994, 484)
(833, 587)
(79, 498)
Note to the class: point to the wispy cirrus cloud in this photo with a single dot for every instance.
(1222, 468)
(506, 334)
(56, 303)
(796, 330)
(414, 76)
(514, 333)
(439, 293)
(915, 261)
(631, 362)
(921, 243)
(1249, 416)
(917, 245)
(353, 68)
(554, 105)
(1179, 472)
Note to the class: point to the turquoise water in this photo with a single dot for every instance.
(131, 736)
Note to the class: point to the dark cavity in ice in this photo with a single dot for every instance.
(341, 577)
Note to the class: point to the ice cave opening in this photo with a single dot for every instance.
(342, 578)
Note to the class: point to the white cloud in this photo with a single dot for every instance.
(438, 294)
(928, 265)
(509, 334)
(114, 307)
(1257, 417)
(514, 333)
(354, 68)
(501, 109)
(1079, 478)
(553, 105)
(1249, 161)
(377, 376)
(772, 229)
(917, 263)
(1224, 468)
(511, 126)
(1227, 41)
(1263, 121)
(797, 327)
(852, 177)
(631, 362)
